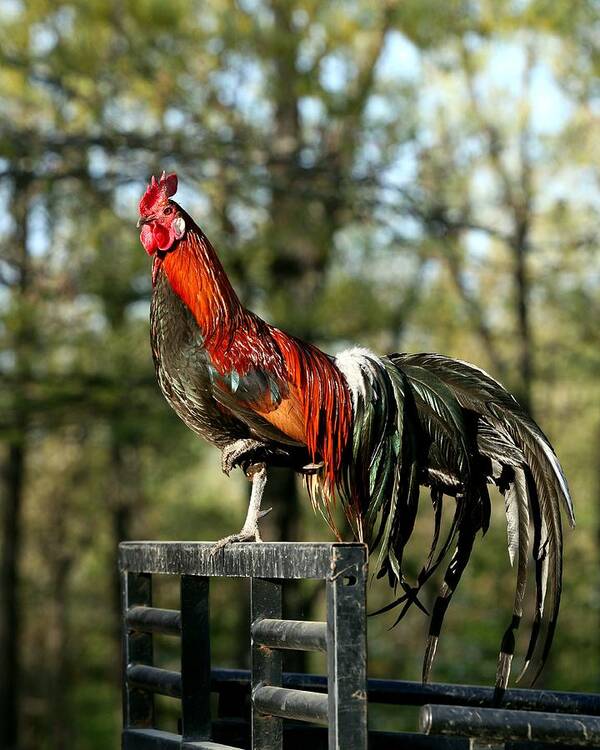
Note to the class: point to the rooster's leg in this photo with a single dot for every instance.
(249, 531)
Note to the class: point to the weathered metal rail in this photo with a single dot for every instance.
(499, 725)
(343, 710)
(291, 634)
(302, 705)
(266, 709)
(409, 693)
(153, 620)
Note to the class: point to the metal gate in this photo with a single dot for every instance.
(343, 709)
(296, 711)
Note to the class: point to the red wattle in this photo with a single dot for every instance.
(147, 240)
(162, 237)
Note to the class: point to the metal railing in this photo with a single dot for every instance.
(343, 709)
(301, 710)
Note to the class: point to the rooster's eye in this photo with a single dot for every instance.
(168, 210)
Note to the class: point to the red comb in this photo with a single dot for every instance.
(158, 193)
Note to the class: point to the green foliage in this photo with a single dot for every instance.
(371, 173)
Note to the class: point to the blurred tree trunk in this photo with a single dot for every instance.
(10, 622)
(521, 203)
(517, 195)
(281, 491)
(302, 235)
(125, 496)
(14, 480)
(124, 485)
(524, 335)
(58, 699)
(597, 550)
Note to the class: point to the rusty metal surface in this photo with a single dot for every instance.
(296, 635)
(409, 693)
(143, 677)
(265, 602)
(501, 725)
(457, 716)
(302, 705)
(243, 560)
(154, 620)
(347, 651)
(138, 705)
(195, 658)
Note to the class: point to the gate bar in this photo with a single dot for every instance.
(501, 725)
(154, 680)
(154, 620)
(265, 603)
(158, 739)
(347, 648)
(195, 658)
(241, 560)
(408, 693)
(301, 705)
(298, 635)
(138, 706)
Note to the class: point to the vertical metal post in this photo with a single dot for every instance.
(265, 597)
(195, 659)
(138, 705)
(347, 650)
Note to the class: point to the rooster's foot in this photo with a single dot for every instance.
(245, 535)
(257, 474)
(238, 454)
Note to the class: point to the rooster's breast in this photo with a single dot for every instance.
(183, 368)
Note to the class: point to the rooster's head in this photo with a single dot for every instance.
(160, 218)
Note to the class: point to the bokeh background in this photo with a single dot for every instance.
(410, 175)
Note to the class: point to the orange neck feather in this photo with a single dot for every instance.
(198, 278)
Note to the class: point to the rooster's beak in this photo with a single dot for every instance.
(141, 221)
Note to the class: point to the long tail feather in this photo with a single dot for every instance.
(508, 437)
(427, 419)
(458, 563)
(516, 499)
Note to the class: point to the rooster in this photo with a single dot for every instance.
(366, 431)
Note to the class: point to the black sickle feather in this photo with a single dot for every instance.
(469, 431)
(516, 498)
(458, 563)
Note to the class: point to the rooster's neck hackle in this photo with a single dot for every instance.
(198, 278)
